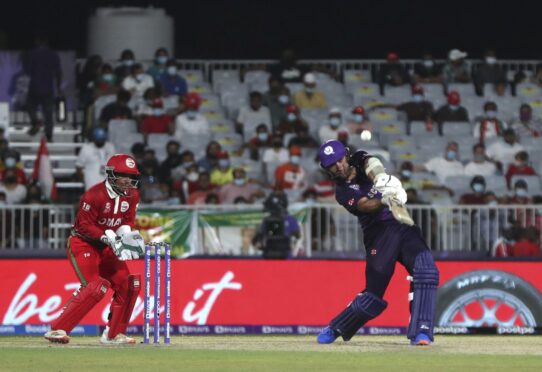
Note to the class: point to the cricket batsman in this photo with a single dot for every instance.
(101, 241)
(377, 200)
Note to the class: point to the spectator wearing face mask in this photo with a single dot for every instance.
(276, 153)
(158, 122)
(171, 82)
(252, 115)
(92, 158)
(477, 196)
(260, 141)
(451, 112)
(138, 81)
(126, 61)
(456, 70)
(309, 97)
(116, 110)
(223, 173)
(444, 166)
(203, 188)
(15, 193)
(291, 121)
(359, 121)
(520, 195)
(418, 109)
(427, 71)
(10, 163)
(489, 126)
(239, 187)
(276, 99)
(159, 65)
(392, 73)
(520, 167)
(191, 122)
(106, 82)
(489, 72)
(333, 126)
(291, 174)
(505, 149)
(526, 126)
(480, 164)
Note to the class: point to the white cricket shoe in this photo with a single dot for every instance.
(58, 336)
(120, 339)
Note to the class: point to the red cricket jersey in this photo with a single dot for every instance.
(100, 209)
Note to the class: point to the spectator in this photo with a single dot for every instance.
(239, 187)
(489, 125)
(158, 122)
(451, 112)
(42, 65)
(520, 167)
(405, 175)
(276, 99)
(151, 189)
(172, 83)
(359, 121)
(127, 60)
(191, 122)
(527, 126)
(92, 158)
(144, 106)
(520, 195)
(292, 121)
(480, 164)
(188, 184)
(303, 138)
(505, 149)
(210, 160)
(106, 82)
(252, 115)
(478, 187)
(203, 188)
(15, 192)
(223, 173)
(291, 175)
(159, 66)
(179, 172)
(88, 80)
(488, 72)
(444, 166)
(138, 152)
(260, 141)
(138, 81)
(427, 71)
(528, 244)
(333, 127)
(288, 70)
(173, 160)
(456, 70)
(277, 153)
(392, 73)
(9, 162)
(116, 110)
(212, 199)
(418, 109)
(309, 97)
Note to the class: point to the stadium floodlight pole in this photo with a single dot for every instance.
(157, 254)
(147, 302)
(167, 293)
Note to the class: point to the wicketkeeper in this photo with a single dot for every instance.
(377, 200)
(101, 241)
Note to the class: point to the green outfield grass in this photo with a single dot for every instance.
(276, 353)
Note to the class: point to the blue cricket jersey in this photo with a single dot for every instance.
(348, 195)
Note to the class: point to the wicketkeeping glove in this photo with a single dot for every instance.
(129, 246)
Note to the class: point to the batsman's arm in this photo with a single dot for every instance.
(367, 205)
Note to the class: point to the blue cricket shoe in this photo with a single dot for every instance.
(421, 339)
(327, 336)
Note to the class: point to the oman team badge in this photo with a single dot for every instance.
(107, 208)
(124, 206)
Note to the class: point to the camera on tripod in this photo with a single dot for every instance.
(275, 243)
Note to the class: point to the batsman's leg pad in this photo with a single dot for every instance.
(122, 307)
(79, 305)
(425, 278)
(363, 308)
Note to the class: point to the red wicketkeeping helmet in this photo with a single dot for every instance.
(122, 165)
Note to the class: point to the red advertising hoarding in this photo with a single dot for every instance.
(304, 292)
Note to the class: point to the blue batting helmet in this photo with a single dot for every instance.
(331, 152)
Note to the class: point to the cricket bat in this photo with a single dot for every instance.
(400, 213)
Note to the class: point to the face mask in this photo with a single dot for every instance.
(158, 111)
(161, 60)
(263, 137)
(428, 63)
(10, 162)
(478, 187)
(191, 114)
(108, 77)
(139, 77)
(492, 202)
(334, 122)
(192, 176)
(491, 60)
(310, 200)
(295, 159)
(223, 163)
(521, 193)
(525, 116)
(479, 158)
(491, 114)
(291, 117)
(284, 99)
(454, 107)
(128, 62)
(417, 98)
(172, 70)
(239, 181)
(358, 118)
(406, 173)
(451, 154)
(309, 90)
(519, 163)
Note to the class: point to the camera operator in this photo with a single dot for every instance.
(279, 231)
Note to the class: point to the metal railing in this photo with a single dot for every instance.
(327, 230)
